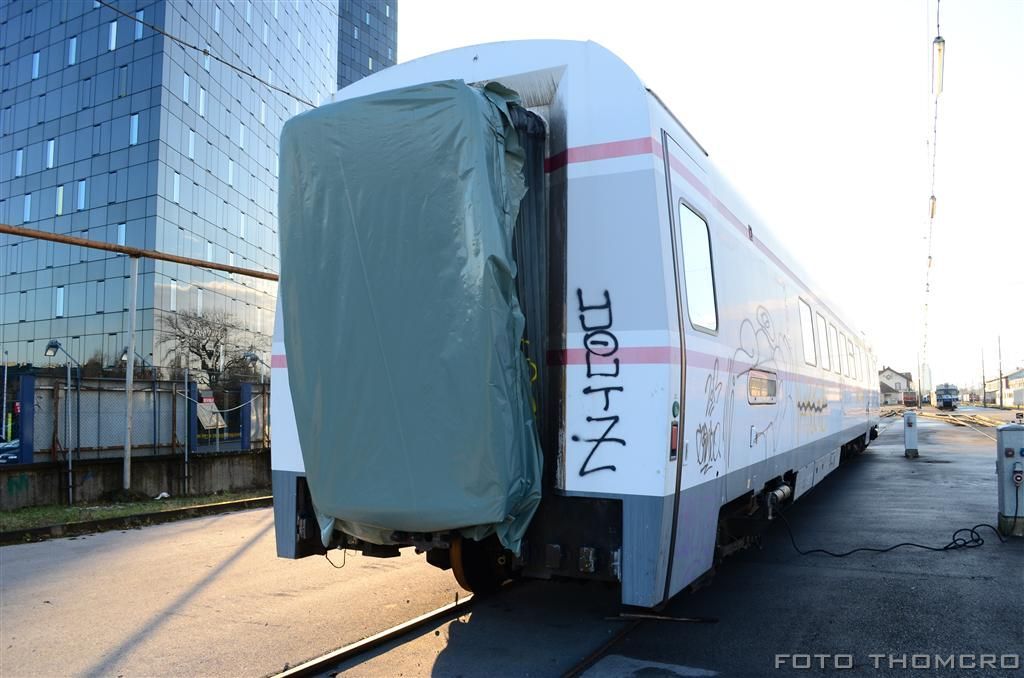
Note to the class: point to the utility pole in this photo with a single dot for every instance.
(1000, 345)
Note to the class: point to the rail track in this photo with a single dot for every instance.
(323, 663)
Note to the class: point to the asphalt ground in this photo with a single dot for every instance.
(200, 597)
(773, 605)
(208, 596)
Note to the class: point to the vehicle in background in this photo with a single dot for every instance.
(946, 397)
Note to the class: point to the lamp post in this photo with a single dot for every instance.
(252, 357)
(3, 409)
(51, 351)
(152, 374)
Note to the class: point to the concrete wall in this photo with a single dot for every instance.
(46, 483)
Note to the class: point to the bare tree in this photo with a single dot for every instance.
(215, 340)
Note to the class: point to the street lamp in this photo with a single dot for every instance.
(3, 409)
(51, 351)
(253, 358)
(124, 358)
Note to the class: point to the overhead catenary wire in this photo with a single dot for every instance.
(207, 52)
(936, 76)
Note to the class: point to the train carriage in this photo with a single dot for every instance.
(688, 378)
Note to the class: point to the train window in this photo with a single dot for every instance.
(761, 387)
(807, 327)
(844, 354)
(851, 353)
(833, 338)
(698, 275)
(826, 361)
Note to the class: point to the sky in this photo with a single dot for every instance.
(820, 114)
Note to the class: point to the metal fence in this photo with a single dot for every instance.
(89, 418)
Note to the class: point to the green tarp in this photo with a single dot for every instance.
(402, 325)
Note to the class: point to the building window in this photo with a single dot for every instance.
(112, 36)
(270, 76)
(139, 17)
(298, 41)
(120, 234)
(19, 162)
(174, 295)
(100, 291)
(133, 130)
(176, 191)
(263, 112)
(355, 32)
(241, 224)
(241, 135)
(202, 102)
(191, 144)
(27, 212)
(216, 19)
(807, 333)
(248, 12)
(275, 9)
(231, 172)
(72, 51)
(199, 301)
(266, 32)
(206, 59)
(35, 65)
(387, 11)
(391, 54)
(58, 208)
(122, 81)
(209, 251)
(184, 88)
(58, 303)
(367, 18)
(51, 148)
(81, 194)
(698, 273)
(826, 361)
(370, 62)
(23, 307)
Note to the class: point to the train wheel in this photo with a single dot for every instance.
(479, 566)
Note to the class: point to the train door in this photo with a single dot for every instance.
(699, 477)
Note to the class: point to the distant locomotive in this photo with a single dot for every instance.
(686, 376)
(946, 397)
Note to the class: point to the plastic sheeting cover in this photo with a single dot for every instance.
(402, 324)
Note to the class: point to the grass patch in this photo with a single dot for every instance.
(43, 516)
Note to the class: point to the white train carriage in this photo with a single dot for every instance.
(691, 371)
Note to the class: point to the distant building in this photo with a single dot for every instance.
(367, 38)
(897, 388)
(1010, 387)
(114, 132)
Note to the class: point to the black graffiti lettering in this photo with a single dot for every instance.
(601, 342)
(590, 368)
(584, 309)
(606, 390)
(614, 419)
(596, 322)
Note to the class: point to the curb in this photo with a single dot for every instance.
(33, 534)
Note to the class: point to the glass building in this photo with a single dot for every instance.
(113, 132)
(367, 38)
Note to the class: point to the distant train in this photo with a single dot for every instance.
(945, 396)
(687, 377)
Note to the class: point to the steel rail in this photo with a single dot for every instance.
(602, 649)
(332, 659)
(134, 252)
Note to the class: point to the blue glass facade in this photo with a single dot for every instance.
(367, 38)
(113, 132)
